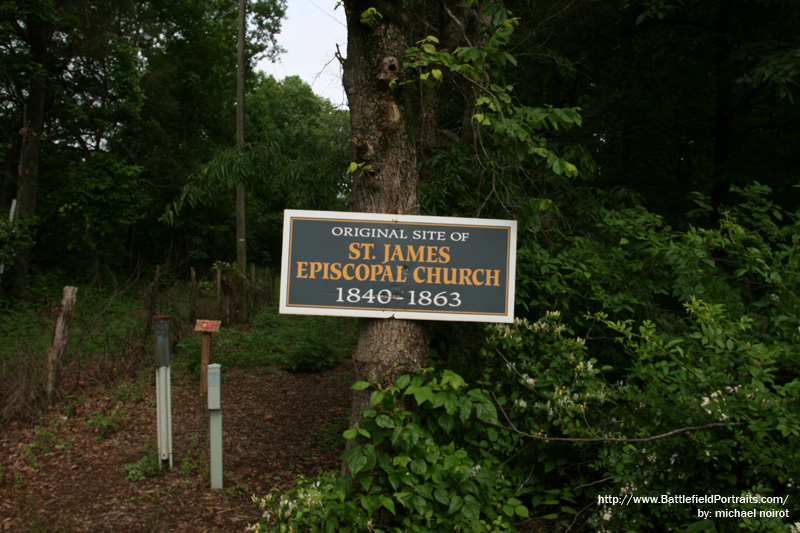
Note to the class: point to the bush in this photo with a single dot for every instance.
(313, 355)
(406, 472)
(148, 466)
(648, 363)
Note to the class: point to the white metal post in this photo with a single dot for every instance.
(215, 425)
(163, 392)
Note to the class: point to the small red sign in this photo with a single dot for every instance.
(207, 326)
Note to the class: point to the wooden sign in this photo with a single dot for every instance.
(400, 266)
(207, 326)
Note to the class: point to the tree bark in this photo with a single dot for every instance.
(39, 34)
(55, 354)
(382, 120)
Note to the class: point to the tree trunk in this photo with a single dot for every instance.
(39, 34)
(55, 354)
(382, 120)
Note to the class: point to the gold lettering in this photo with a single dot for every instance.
(434, 275)
(355, 253)
(374, 271)
(362, 272)
(401, 275)
(415, 255)
(417, 278)
(357, 247)
(315, 268)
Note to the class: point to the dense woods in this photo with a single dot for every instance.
(647, 149)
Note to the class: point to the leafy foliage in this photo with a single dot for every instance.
(148, 466)
(681, 381)
(511, 124)
(311, 356)
(15, 237)
(410, 469)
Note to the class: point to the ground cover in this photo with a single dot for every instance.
(72, 470)
(90, 462)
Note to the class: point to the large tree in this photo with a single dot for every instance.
(107, 109)
(424, 79)
(382, 120)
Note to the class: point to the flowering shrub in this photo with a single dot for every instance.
(430, 469)
(647, 363)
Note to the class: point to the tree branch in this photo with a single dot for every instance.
(606, 439)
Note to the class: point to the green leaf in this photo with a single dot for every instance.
(450, 462)
(446, 422)
(366, 481)
(455, 504)
(360, 385)
(356, 462)
(702, 525)
(403, 381)
(471, 509)
(465, 410)
(401, 460)
(419, 466)
(423, 394)
(385, 421)
(376, 397)
(487, 412)
(388, 503)
(419, 503)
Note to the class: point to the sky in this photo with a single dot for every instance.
(309, 34)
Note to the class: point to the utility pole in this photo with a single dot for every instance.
(241, 242)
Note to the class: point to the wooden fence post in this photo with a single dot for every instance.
(192, 295)
(55, 354)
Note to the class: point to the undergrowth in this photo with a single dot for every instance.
(111, 341)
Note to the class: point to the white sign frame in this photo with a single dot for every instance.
(434, 222)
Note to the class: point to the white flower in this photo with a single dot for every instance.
(475, 470)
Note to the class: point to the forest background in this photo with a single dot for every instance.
(646, 148)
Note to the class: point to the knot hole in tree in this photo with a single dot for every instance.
(390, 68)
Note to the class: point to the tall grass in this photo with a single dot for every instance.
(112, 338)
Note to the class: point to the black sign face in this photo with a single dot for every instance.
(370, 265)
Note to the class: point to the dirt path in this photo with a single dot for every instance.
(64, 474)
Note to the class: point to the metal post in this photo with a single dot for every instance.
(215, 427)
(163, 391)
